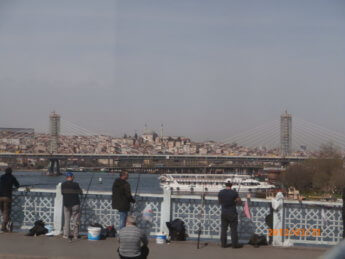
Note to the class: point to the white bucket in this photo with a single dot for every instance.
(93, 233)
(50, 228)
(161, 239)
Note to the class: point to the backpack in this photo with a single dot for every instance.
(38, 229)
(111, 231)
(177, 230)
(269, 220)
(258, 240)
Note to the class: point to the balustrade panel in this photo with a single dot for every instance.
(313, 223)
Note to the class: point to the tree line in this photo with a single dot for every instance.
(324, 173)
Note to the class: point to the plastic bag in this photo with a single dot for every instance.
(148, 213)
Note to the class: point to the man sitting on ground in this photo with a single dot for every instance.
(133, 241)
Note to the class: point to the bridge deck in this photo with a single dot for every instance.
(152, 156)
(16, 245)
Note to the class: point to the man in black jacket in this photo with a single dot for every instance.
(228, 199)
(122, 197)
(71, 205)
(7, 181)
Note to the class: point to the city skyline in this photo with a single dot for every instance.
(204, 70)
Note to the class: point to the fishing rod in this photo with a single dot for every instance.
(239, 187)
(136, 192)
(136, 188)
(28, 186)
(239, 234)
(35, 184)
(202, 214)
(87, 191)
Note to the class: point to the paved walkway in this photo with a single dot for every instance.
(16, 245)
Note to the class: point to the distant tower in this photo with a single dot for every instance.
(285, 133)
(54, 123)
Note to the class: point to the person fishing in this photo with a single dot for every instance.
(133, 241)
(7, 181)
(122, 197)
(71, 206)
(228, 199)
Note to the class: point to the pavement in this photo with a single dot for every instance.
(17, 245)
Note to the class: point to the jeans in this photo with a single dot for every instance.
(343, 214)
(5, 207)
(229, 218)
(72, 220)
(123, 218)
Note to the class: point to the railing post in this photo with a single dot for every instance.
(58, 210)
(165, 210)
(278, 220)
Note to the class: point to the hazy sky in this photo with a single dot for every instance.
(206, 69)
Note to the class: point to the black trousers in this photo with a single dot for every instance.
(5, 208)
(229, 218)
(144, 253)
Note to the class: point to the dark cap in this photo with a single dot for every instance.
(228, 184)
(8, 170)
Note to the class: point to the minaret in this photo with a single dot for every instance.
(161, 131)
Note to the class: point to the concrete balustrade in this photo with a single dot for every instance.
(315, 223)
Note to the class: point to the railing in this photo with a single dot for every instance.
(291, 220)
(27, 207)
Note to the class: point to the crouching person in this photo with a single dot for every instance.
(71, 206)
(133, 241)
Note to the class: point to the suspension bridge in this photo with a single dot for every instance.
(302, 136)
(305, 136)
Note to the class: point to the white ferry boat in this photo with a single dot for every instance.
(212, 183)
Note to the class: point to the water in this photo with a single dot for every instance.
(148, 183)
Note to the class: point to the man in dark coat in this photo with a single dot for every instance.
(71, 205)
(7, 181)
(122, 197)
(228, 199)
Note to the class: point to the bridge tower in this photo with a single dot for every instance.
(54, 123)
(54, 130)
(285, 133)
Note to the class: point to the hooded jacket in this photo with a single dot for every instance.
(122, 196)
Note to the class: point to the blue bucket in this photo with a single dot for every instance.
(93, 233)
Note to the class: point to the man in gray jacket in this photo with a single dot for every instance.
(133, 241)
